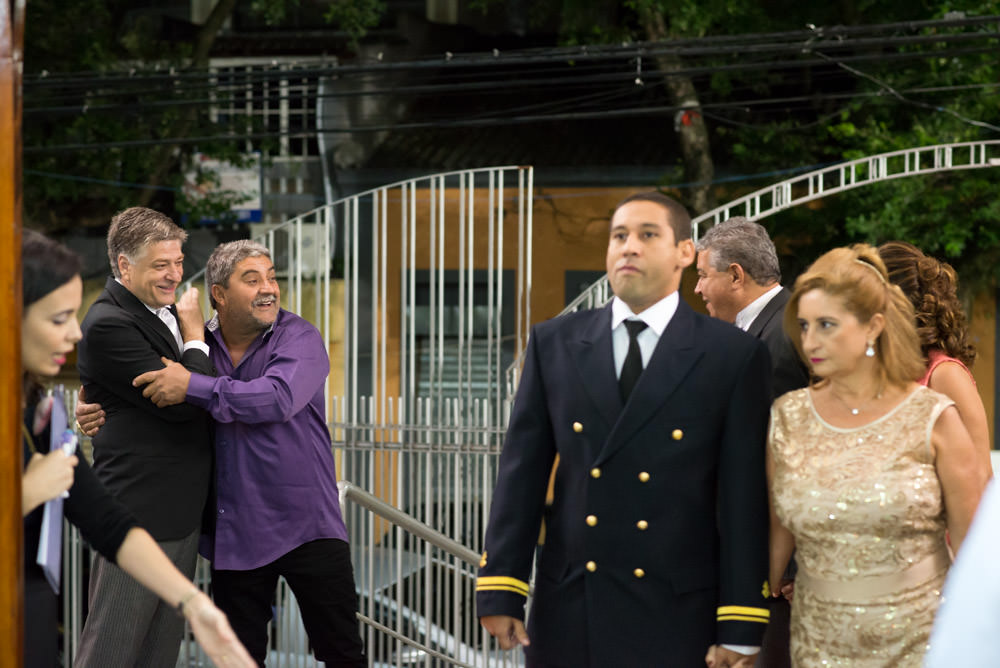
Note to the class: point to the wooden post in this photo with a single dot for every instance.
(11, 526)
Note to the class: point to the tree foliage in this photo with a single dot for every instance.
(78, 91)
(849, 112)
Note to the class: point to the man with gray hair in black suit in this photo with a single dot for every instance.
(740, 281)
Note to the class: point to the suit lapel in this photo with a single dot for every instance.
(591, 350)
(143, 316)
(768, 312)
(676, 353)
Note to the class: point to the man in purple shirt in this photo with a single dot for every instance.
(276, 509)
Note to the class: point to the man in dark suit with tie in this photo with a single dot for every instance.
(740, 281)
(157, 461)
(656, 541)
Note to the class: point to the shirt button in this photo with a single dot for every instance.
(591, 566)
(577, 427)
(639, 573)
(642, 525)
(643, 477)
(221, 511)
(595, 473)
(677, 434)
(591, 520)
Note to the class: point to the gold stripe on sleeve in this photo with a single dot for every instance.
(500, 581)
(763, 613)
(741, 618)
(501, 588)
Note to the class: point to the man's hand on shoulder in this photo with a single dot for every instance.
(167, 386)
(89, 417)
(189, 316)
(509, 631)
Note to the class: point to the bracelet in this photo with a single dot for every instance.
(185, 600)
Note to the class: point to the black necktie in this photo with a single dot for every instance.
(633, 359)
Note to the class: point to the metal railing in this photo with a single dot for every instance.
(439, 641)
(829, 181)
(435, 272)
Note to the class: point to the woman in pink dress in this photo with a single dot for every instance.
(931, 286)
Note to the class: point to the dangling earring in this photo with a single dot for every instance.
(870, 350)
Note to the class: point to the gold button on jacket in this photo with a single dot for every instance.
(677, 434)
(577, 427)
(591, 566)
(639, 573)
(643, 477)
(591, 520)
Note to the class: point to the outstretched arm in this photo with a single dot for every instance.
(142, 558)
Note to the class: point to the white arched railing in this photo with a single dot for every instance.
(829, 181)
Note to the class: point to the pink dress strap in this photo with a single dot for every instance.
(937, 357)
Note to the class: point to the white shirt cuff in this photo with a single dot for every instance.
(746, 650)
(199, 345)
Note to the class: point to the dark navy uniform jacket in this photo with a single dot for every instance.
(656, 541)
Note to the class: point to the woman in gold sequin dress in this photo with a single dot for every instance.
(867, 469)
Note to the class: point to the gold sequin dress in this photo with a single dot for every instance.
(865, 507)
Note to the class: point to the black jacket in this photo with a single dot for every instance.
(157, 461)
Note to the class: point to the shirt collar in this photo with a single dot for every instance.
(213, 324)
(656, 317)
(154, 311)
(750, 312)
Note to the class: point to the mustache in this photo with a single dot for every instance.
(263, 300)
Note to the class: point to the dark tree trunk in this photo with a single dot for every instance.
(696, 151)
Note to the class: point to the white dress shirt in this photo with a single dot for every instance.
(656, 317)
(168, 319)
(750, 312)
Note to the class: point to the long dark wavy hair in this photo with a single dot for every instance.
(932, 288)
(45, 266)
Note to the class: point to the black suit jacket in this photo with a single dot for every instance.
(157, 461)
(656, 541)
(789, 371)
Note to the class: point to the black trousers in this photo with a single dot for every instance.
(41, 647)
(322, 579)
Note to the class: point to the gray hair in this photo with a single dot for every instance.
(743, 242)
(223, 260)
(135, 228)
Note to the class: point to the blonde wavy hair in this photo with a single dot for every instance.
(857, 276)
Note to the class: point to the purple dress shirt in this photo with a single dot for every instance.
(276, 482)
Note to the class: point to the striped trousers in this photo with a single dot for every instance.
(128, 625)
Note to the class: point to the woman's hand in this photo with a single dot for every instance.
(213, 633)
(46, 477)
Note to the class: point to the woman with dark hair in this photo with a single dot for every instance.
(932, 288)
(52, 291)
(866, 470)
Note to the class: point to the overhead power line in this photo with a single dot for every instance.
(833, 37)
(626, 75)
(504, 120)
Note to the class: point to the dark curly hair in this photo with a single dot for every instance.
(932, 287)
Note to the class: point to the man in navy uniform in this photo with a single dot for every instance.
(656, 540)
